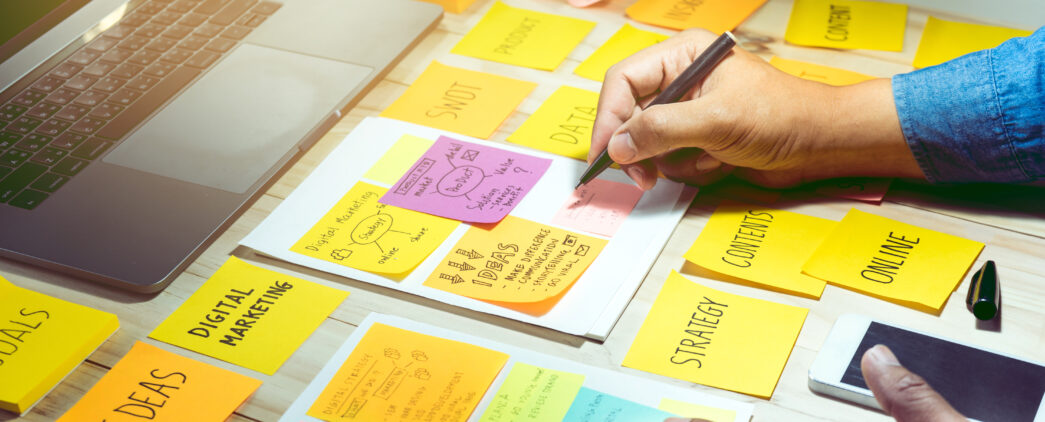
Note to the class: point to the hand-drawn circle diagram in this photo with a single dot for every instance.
(368, 232)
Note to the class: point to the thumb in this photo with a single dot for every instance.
(659, 129)
(901, 393)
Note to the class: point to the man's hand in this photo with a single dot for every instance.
(902, 394)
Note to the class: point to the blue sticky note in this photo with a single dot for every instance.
(593, 406)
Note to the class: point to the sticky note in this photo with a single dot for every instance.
(398, 159)
(249, 316)
(459, 100)
(848, 24)
(761, 245)
(625, 42)
(714, 15)
(722, 340)
(945, 40)
(595, 406)
(696, 411)
(42, 339)
(519, 264)
(562, 125)
(523, 37)
(413, 376)
(150, 383)
(860, 189)
(894, 261)
(452, 6)
(532, 393)
(815, 72)
(599, 207)
(466, 181)
(362, 233)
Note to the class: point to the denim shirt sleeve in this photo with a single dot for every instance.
(980, 117)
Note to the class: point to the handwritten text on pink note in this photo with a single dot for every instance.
(598, 207)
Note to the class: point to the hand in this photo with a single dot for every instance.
(775, 129)
(902, 394)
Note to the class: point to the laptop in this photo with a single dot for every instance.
(132, 133)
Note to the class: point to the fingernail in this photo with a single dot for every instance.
(881, 355)
(626, 146)
(636, 174)
(707, 163)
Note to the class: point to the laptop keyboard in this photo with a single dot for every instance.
(52, 130)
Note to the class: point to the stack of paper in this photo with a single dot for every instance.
(42, 339)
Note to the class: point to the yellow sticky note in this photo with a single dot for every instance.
(562, 125)
(459, 100)
(523, 37)
(249, 316)
(815, 72)
(412, 376)
(714, 15)
(150, 383)
(894, 261)
(625, 42)
(532, 393)
(945, 40)
(452, 6)
(42, 339)
(519, 264)
(696, 411)
(761, 245)
(849, 24)
(398, 159)
(722, 340)
(361, 233)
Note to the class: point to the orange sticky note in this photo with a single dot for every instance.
(714, 15)
(413, 376)
(815, 72)
(459, 100)
(518, 264)
(153, 384)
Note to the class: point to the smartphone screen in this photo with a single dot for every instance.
(979, 384)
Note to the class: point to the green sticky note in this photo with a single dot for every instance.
(532, 393)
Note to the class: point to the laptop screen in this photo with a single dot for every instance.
(23, 21)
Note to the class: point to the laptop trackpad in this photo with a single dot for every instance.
(238, 120)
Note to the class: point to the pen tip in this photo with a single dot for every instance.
(579, 184)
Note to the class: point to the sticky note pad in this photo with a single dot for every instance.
(894, 261)
(714, 15)
(625, 42)
(452, 6)
(595, 406)
(42, 339)
(761, 245)
(459, 100)
(249, 316)
(848, 24)
(519, 264)
(562, 125)
(696, 411)
(466, 181)
(860, 189)
(599, 207)
(398, 159)
(815, 72)
(150, 383)
(523, 37)
(413, 376)
(945, 40)
(533, 393)
(362, 233)
(722, 340)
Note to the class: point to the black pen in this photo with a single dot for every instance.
(696, 72)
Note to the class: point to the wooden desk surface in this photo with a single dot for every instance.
(1002, 217)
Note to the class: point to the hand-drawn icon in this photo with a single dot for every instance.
(470, 155)
(341, 254)
(582, 250)
(570, 240)
(473, 254)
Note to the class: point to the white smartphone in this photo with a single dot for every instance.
(982, 385)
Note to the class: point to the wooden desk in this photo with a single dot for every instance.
(1003, 218)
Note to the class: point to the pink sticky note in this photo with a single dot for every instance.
(866, 190)
(466, 181)
(598, 207)
(582, 3)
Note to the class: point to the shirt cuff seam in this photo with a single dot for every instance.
(1006, 132)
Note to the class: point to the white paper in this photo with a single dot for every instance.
(636, 389)
(590, 308)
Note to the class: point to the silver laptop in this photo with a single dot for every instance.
(132, 133)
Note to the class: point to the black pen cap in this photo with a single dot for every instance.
(984, 292)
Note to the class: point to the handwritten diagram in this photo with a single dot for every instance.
(466, 181)
(362, 233)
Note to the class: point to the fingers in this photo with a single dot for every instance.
(692, 166)
(644, 173)
(901, 393)
(662, 128)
